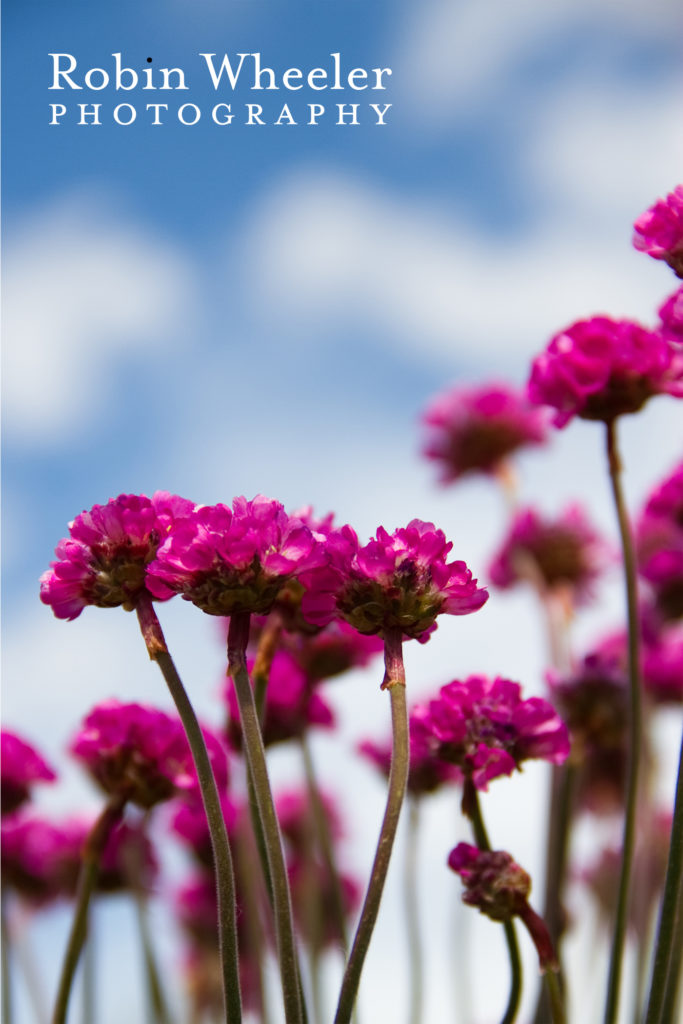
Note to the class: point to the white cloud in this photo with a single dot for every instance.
(85, 289)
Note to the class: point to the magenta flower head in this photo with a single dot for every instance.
(562, 553)
(659, 539)
(474, 430)
(500, 889)
(600, 368)
(141, 753)
(399, 581)
(230, 560)
(659, 231)
(104, 559)
(671, 317)
(485, 728)
(291, 705)
(190, 824)
(20, 766)
(336, 649)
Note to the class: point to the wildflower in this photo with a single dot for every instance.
(190, 824)
(21, 767)
(336, 649)
(659, 231)
(104, 560)
(600, 368)
(141, 753)
(235, 560)
(398, 581)
(485, 728)
(427, 772)
(659, 540)
(476, 429)
(500, 888)
(671, 317)
(562, 553)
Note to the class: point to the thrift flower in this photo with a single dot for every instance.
(485, 728)
(396, 581)
(104, 560)
(230, 560)
(600, 368)
(659, 231)
(20, 767)
(659, 540)
(427, 772)
(474, 430)
(565, 552)
(671, 317)
(140, 752)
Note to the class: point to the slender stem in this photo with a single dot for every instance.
(324, 838)
(92, 852)
(666, 963)
(394, 681)
(88, 972)
(256, 760)
(672, 996)
(635, 729)
(268, 642)
(227, 928)
(472, 808)
(252, 939)
(6, 982)
(552, 981)
(412, 908)
(155, 990)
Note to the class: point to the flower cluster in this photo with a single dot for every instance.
(600, 368)
(21, 766)
(659, 231)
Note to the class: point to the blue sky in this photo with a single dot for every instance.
(218, 311)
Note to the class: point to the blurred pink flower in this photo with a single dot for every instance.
(20, 767)
(427, 772)
(671, 317)
(104, 560)
(600, 368)
(476, 429)
(659, 231)
(659, 540)
(396, 581)
(229, 560)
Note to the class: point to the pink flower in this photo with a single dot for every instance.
(671, 317)
(476, 429)
(659, 231)
(565, 552)
(485, 728)
(140, 752)
(104, 560)
(427, 771)
(235, 560)
(600, 368)
(336, 649)
(190, 823)
(21, 767)
(291, 704)
(397, 581)
(297, 821)
(659, 539)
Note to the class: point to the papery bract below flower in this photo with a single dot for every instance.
(20, 766)
(565, 552)
(601, 368)
(232, 560)
(476, 429)
(142, 753)
(398, 581)
(104, 560)
(291, 704)
(485, 728)
(659, 230)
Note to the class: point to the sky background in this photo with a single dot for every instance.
(231, 310)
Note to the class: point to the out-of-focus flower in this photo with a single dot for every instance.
(20, 767)
(485, 728)
(189, 822)
(297, 821)
(427, 772)
(292, 706)
(563, 553)
(313, 902)
(659, 540)
(336, 649)
(659, 231)
(671, 317)
(474, 430)
(396, 581)
(230, 560)
(500, 888)
(600, 368)
(142, 753)
(104, 559)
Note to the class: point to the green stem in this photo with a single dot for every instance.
(92, 852)
(256, 759)
(412, 908)
(666, 963)
(635, 729)
(324, 838)
(154, 987)
(552, 981)
(472, 809)
(227, 928)
(88, 972)
(394, 681)
(6, 983)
